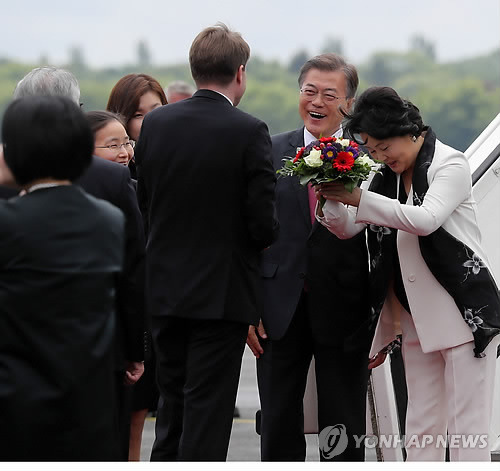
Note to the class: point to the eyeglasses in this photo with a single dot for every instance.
(117, 147)
(310, 94)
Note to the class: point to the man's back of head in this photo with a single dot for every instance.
(49, 81)
(216, 55)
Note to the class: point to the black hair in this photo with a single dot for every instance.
(46, 137)
(381, 113)
(99, 119)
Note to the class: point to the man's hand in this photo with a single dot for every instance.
(253, 340)
(133, 372)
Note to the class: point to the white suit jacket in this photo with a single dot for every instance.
(448, 203)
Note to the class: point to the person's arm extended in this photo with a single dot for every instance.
(450, 187)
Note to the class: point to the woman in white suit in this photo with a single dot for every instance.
(430, 277)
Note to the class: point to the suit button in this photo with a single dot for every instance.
(302, 276)
(412, 278)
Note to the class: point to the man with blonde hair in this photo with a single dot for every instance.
(206, 177)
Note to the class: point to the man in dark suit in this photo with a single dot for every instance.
(315, 291)
(205, 173)
(108, 181)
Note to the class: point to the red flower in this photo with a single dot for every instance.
(343, 162)
(326, 139)
(299, 154)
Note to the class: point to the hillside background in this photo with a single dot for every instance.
(458, 99)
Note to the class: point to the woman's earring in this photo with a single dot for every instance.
(414, 138)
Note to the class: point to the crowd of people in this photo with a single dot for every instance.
(144, 245)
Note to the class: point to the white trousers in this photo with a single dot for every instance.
(450, 392)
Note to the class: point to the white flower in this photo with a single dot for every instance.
(365, 160)
(472, 320)
(381, 231)
(344, 142)
(475, 263)
(314, 158)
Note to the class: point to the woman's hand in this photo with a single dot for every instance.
(337, 192)
(133, 372)
(377, 360)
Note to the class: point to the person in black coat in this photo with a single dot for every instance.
(60, 252)
(109, 181)
(315, 292)
(206, 177)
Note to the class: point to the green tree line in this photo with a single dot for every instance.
(458, 99)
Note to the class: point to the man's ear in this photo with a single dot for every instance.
(350, 104)
(239, 74)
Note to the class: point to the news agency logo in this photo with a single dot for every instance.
(333, 441)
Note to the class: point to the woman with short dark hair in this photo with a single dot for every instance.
(60, 252)
(430, 275)
(111, 141)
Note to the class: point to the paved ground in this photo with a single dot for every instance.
(244, 445)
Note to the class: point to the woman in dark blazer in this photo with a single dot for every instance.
(430, 276)
(60, 252)
(133, 97)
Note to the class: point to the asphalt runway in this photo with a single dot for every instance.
(244, 445)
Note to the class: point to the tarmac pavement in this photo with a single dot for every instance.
(245, 443)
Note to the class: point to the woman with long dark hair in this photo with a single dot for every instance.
(133, 96)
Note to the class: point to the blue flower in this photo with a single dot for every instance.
(329, 153)
(353, 151)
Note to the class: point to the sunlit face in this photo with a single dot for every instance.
(398, 153)
(322, 93)
(111, 135)
(148, 102)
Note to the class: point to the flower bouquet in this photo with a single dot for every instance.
(329, 159)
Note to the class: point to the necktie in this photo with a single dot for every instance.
(312, 202)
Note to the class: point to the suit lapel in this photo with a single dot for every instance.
(297, 140)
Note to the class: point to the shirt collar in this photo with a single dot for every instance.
(228, 99)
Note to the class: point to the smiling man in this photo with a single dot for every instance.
(314, 291)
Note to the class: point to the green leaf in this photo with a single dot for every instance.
(305, 179)
(349, 186)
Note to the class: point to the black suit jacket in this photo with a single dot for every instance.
(111, 182)
(335, 271)
(206, 178)
(60, 250)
